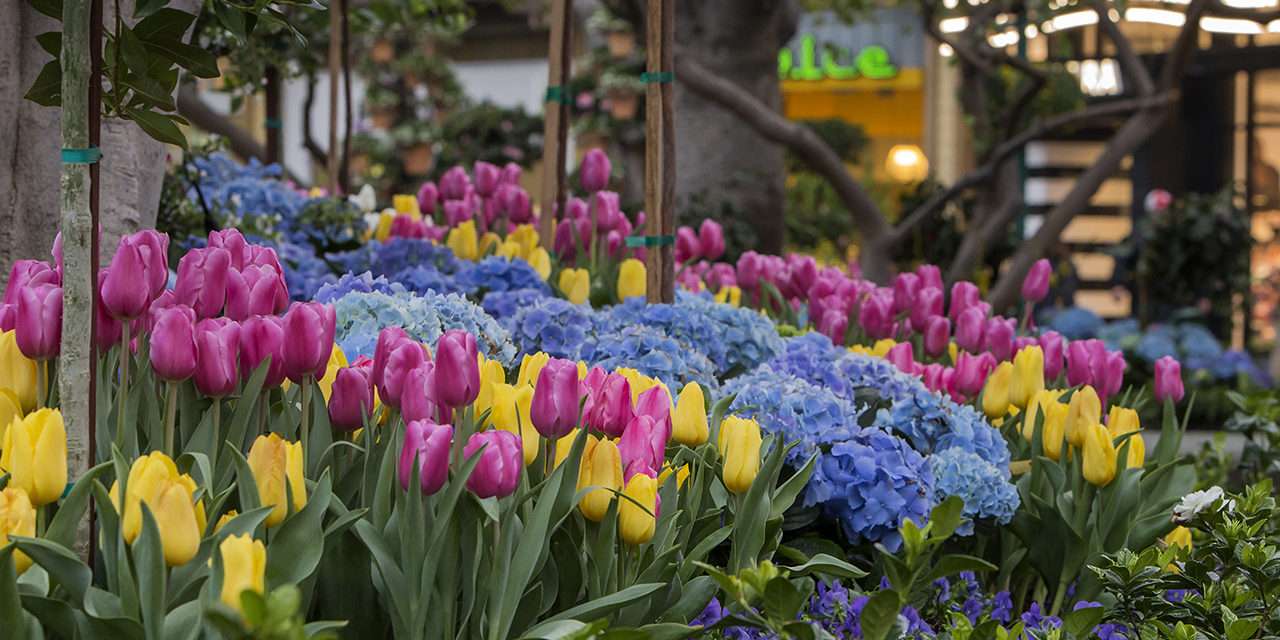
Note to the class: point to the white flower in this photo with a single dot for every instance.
(1195, 502)
(366, 199)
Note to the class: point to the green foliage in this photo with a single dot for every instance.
(490, 133)
(274, 617)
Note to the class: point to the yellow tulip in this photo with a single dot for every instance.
(511, 413)
(491, 374)
(1099, 456)
(530, 366)
(563, 446)
(1084, 411)
(1137, 451)
(1037, 410)
(508, 249)
(1180, 537)
(17, 518)
(1055, 423)
(689, 424)
(638, 382)
(739, 444)
(17, 372)
(407, 204)
(1122, 420)
(995, 395)
(575, 284)
(463, 241)
(635, 524)
(489, 242)
(382, 232)
(882, 347)
(35, 455)
(337, 360)
(582, 370)
(601, 467)
(244, 568)
(10, 410)
(226, 517)
(540, 260)
(1028, 375)
(154, 481)
(632, 281)
(953, 351)
(730, 295)
(277, 463)
(527, 237)
(682, 474)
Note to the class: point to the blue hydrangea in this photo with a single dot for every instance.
(363, 283)
(553, 325)
(503, 305)
(1157, 342)
(794, 409)
(251, 190)
(499, 274)
(870, 483)
(361, 315)
(304, 273)
(652, 353)
(422, 278)
(395, 255)
(1075, 323)
(984, 488)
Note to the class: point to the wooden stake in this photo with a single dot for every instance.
(556, 121)
(660, 149)
(336, 7)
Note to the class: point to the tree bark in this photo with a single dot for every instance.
(720, 161)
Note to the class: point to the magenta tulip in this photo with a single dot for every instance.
(906, 286)
(930, 276)
(427, 445)
(576, 209)
(202, 280)
(644, 441)
(594, 171)
(1168, 384)
(234, 243)
(555, 399)
(687, 245)
(173, 343)
(511, 173)
(750, 267)
(1035, 287)
(1113, 377)
(388, 339)
(999, 337)
(1054, 346)
(418, 400)
(9, 318)
(932, 377)
(928, 304)
(937, 335)
(971, 372)
(711, 238)
(107, 330)
(964, 294)
(456, 212)
(498, 473)
(218, 350)
(428, 195)
(28, 273)
(1079, 365)
(875, 316)
(457, 382)
(610, 405)
(804, 272)
(154, 247)
(1098, 363)
(405, 357)
(834, 324)
(255, 291)
(971, 328)
(351, 402)
(454, 184)
(487, 177)
(124, 291)
(39, 321)
(902, 356)
(262, 337)
(309, 329)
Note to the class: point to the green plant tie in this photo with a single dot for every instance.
(650, 241)
(273, 123)
(556, 93)
(649, 77)
(90, 155)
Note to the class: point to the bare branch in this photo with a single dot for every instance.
(242, 142)
(1217, 8)
(1130, 65)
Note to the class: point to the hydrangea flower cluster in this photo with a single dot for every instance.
(985, 488)
(361, 315)
(363, 283)
(304, 273)
(652, 353)
(424, 277)
(553, 325)
(395, 255)
(499, 274)
(251, 189)
(796, 409)
(503, 305)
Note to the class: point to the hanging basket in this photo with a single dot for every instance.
(383, 118)
(358, 165)
(621, 44)
(418, 159)
(623, 105)
(383, 51)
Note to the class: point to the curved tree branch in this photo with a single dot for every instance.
(242, 142)
(1130, 65)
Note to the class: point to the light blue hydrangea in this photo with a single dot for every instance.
(363, 283)
(795, 409)
(361, 315)
(499, 274)
(1075, 323)
(983, 487)
(652, 353)
(395, 255)
(422, 278)
(553, 325)
(304, 273)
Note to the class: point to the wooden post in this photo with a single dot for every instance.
(79, 279)
(556, 121)
(336, 7)
(660, 149)
(272, 124)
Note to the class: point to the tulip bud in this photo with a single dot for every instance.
(1084, 411)
(35, 455)
(464, 242)
(39, 321)
(610, 406)
(276, 464)
(457, 380)
(1054, 430)
(594, 171)
(637, 519)
(17, 372)
(1035, 287)
(17, 518)
(530, 367)
(244, 568)
(930, 276)
(1079, 369)
(601, 468)
(1053, 345)
(1137, 454)
(28, 273)
(690, 423)
(937, 336)
(876, 314)
(999, 339)
(491, 373)
(454, 183)
(964, 294)
(217, 353)
(170, 496)
(1168, 384)
(309, 329)
(428, 195)
(739, 444)
(540, 260)
(261, 337)
(487, 176)
(928, 304)
(426, 444)
(711, 239)
(1112, 373)
(1122, 420)
(388, 339)
(352, 400)
(1028, 376)
(687, 248)
(202, 280)
(173, 343)
(971, 329)
(1098, 456)
(902, 355)
(905, 288)
(555, 399)
(995, 396)
(417, 399)
(631, 279)
(256, 290)
(126, 290)
(497, 474)
(575, 284)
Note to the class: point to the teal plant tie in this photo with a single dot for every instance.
(273, 123)
(557, 93)
(650, 241)
(90, 155)
(657, 77)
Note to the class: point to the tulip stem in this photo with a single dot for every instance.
(217, 439)
(123, 396)
(306, 417)
(170, 414)
(42, 384)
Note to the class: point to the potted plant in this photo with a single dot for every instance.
(383, 51)
(618, 35)
(623, 92)
(383, 105)
(416, 141)
(365, 146)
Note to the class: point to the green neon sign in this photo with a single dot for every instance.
(871, 62)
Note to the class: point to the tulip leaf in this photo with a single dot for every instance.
(602, 554)
(10, 603)
(298, 544)
(246, 485)
(62, 529)
(56, 616)
(786, 494)
(704, 547)
(880, 615)
(749, 522)
(313, 629)
(237, 429)
(396, 587)
(183, 623)
(827, 565)
(601, 607)
(64, 567)
(558, 630)
(718, 411)
(320, 433)
(148, 560)
(694, 597)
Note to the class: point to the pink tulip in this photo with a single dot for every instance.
(498, 473)
(971, 372)
(404, 226)
(608, 210)
(687, 245)
(937, 335)
(234, 243)
(487, 177)
(555, 399)
(576, 209)
(255, 290)
(804, 272)
(1168, 384)
(1035, 287)
(1098, 363)
(56, 253)
(309, 328)
(154, 247)
(38, 326)
(351, 402)
(750, 268)
(932, 377)
(1079, 366)
(964, 294)
(1113, 377)
(388, 339)
(262, 337)
(610, 405)
(202, 280)
(426, 444)
(511, 173)
(906, 286)
(930, 276)
(999, 337)
(928, 304)
(124, 291)
(455, 213)
(834, 324)
(902, 356)
(594, 171)
(722, 274)
(418, 400)
(218, 349)
(1053, 345)
(173, 344)
(1021, 342)
(428, 196)
(404, 358)
(457, 380)
(644, 441)
(28, 273)
(971, 328)
(711, 239)
(454, 184)
(9, 319)
(875, 316)
(107, 330)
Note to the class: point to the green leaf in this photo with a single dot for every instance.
(298, 544)
(199, 62)
(147, 7)
(1243, 629)
(159, 126)
(602, 607)
(62, 529)
(1079, 622)
(955, 563)
(183, 623)
(148, 560)
(827, 565)
(880, 615)
(946, 517)
(51, 8)
(786, 494)
(697, 593)
(51, 42)
(749, 523)
(64, 567)
(782, 600)
(46, 91)
(165, 23)
(133, 51)
(10, 603)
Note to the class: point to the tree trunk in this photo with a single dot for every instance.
(722, 161)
